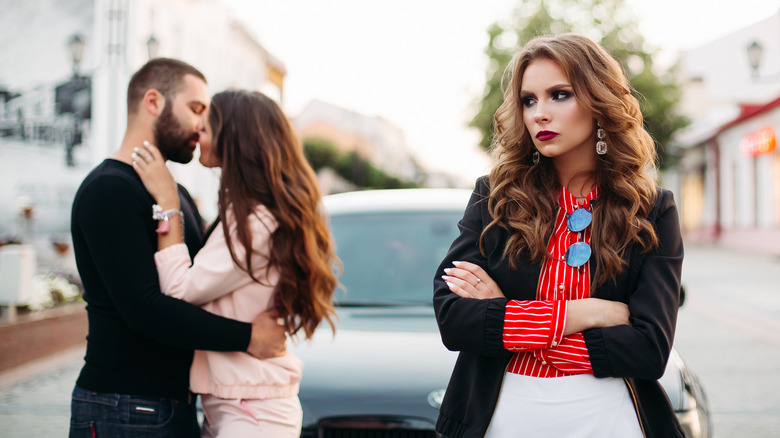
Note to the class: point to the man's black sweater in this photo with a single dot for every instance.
(140, 341)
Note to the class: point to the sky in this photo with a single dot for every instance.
(421, 64)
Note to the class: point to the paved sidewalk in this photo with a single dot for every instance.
(35, 398)
(731, 345)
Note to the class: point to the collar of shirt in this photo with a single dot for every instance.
(569, 203)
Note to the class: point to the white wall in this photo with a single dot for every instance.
(34, 58)
(203, 33)
(717, 76)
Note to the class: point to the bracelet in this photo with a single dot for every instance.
(160, 215)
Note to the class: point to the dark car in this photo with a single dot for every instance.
(385, 371)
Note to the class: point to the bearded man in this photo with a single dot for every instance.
(140, 343)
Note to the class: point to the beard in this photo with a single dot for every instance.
(172, 140)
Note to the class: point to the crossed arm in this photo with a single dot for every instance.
(552, 330)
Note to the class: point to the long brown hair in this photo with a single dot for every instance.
(263, 163)
(523, 196)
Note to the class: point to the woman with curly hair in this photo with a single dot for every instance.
(270, 248)
(561, 292)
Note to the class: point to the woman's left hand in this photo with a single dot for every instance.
(150, 166)
(468, 280)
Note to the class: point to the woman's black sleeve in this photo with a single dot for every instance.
(642, 349)
(466, 324)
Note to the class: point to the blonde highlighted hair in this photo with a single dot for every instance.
(523, 196)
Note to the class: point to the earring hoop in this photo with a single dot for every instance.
(535, 157)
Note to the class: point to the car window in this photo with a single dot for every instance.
(391, 258)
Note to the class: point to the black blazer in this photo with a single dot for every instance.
(650, 285)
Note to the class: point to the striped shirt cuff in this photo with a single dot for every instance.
(531, 325)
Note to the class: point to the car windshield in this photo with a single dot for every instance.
(390, 258)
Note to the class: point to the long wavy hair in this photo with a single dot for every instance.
(263, 163)
(523, 196)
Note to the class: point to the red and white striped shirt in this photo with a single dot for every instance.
(534, 329)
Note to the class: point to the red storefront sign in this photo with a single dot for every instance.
(760, 142)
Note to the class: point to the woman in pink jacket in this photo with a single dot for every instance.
(270, 248)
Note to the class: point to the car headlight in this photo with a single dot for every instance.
(689, 416)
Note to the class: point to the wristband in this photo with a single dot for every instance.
(160, 215)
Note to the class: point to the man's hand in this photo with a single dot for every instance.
(268, 336)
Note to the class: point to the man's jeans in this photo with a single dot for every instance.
(97, 415)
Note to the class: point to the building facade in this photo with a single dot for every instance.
(119, 37)
(373, 138)
(728, 180)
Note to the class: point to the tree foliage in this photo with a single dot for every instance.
(350, 166)
(610, 23)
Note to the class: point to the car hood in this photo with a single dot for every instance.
(390, 361)
(387, 361)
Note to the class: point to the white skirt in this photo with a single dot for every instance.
(579, 406)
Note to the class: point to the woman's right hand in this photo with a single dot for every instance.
(469, 280)
(590, 313)
(150, 166)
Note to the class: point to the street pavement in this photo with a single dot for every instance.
(35, 398)
(728, 333)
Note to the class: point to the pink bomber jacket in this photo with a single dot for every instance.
(215, 283)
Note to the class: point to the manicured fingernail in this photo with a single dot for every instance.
(137, 149)
(146, 143)
(456, 263)
(447, 270)
(134, 155)
(446, 277)
(450, 285)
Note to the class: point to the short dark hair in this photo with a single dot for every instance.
(165, 75)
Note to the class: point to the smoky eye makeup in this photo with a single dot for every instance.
(561, 94)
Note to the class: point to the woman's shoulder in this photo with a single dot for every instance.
(481, 189)
(664, 200)
(262, 218)
(482, 185)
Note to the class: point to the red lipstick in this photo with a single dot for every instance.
(546, 135)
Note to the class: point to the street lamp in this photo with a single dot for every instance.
(74, 97)
(152, 46)
(76, 46)
(754, 52)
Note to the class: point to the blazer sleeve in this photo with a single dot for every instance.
(467, 324)
(642, 349)
(213, 272)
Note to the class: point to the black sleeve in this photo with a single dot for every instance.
(470, 325)
(115, 221)
(642, 349)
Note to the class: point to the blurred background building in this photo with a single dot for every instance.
(374, 138)
(65, 64)
(64, 69)
(728, 179)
